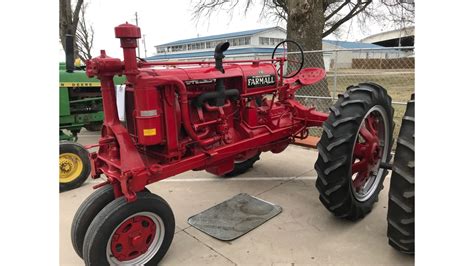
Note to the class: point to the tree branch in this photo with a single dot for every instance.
(75, 16)
(356, 9)
(84, 37)
(339, 8)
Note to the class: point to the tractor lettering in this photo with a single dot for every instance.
(260, 81)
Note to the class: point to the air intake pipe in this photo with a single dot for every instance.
(219, 55)
(221, 94)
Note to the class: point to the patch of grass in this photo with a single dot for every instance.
(400, 84)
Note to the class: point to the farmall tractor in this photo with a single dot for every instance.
(216, 116)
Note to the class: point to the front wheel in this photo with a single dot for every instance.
(74, 165)
(130, 233)
(356, 139)
(88, 210)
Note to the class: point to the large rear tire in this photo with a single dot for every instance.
(356, 139)
(401, 203)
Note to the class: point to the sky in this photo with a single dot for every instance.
(166, 21)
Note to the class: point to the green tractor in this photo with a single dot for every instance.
(80, 102)
(80, 105)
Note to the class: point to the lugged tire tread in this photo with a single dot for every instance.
(328, 131)
(364, 103)
(334, 188)
(396, 226)
(410, 179)
(345, 120)
(401, 205)
(406, 143)
(338, 142)
(324, 155)
(335, 165)
(335, 111)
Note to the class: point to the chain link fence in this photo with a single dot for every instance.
(392, 68)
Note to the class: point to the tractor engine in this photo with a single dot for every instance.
(194, 109)
(194, 115)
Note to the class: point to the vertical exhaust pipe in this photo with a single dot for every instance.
(69, 52)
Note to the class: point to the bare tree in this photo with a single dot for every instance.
(318, 17)
(68, 20)
(84, 37)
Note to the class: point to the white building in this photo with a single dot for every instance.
(260, 43)
(243, 43)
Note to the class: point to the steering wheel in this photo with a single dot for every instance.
(141, 59)
(298, 63)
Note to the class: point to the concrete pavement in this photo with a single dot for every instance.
(304, 233)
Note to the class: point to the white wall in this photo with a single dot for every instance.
(271, 33)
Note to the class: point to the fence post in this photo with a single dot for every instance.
(334, 93)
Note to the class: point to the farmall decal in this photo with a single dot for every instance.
(260, 81)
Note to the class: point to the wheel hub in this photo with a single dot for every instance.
(65, 166)
(133, 238)
(70, 167)
(368, 152)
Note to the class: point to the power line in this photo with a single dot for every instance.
(136, 23)
(144, 44)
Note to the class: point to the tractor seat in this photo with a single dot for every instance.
(307, 76)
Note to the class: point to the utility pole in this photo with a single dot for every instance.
(144, 44)
(136, 23)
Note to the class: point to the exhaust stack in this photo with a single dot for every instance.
(69, 52)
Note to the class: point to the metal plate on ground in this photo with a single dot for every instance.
(234, 217)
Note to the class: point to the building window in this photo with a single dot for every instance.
(264, 41)
(268, 41)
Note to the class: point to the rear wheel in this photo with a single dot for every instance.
(130, 233)
(241, 167)
(356, 139)
(401, 203)
(74, 165)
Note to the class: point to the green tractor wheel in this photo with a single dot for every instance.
(74, 165)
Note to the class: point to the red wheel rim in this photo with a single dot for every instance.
(133, 237)
(369, 151)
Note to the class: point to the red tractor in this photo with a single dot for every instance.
(216, 116)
